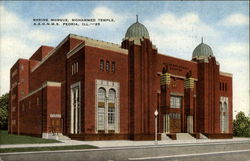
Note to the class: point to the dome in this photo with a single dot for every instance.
(202, 51)
(137, 30)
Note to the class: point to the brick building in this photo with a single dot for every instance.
(95, 90)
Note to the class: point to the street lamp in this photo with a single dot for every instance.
(156, 114)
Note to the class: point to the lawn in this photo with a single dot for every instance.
(71, 147)
(6, 138)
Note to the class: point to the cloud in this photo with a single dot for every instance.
(41, 36)
(169, 31)
(234, 58)
(235, 49)
(10, 21)
(235, 19)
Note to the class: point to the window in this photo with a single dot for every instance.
(107, 117)
(113, 67)
(74, 68)
(37, 100)
(225, 86)
(107, 66)
(101, 108)
(22, 67)
(175, 102)
(111, 116)
(111, 95)
(101, 95)
(224, 117)
(102, 65)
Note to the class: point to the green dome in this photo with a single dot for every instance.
(137, 30)
(202, 51)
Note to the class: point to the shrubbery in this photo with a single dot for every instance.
(4, 101)
(241, 125)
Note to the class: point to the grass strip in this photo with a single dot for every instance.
(51, 148)
(6, 138)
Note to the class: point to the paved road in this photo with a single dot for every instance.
(237, 155)
(236, 151)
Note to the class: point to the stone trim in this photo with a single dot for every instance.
(107, 85)
(75, 50)
(226, 74)
(176, 94)
(52, 84)
(100, 44)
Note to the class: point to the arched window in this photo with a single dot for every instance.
(101, 94)
(112, 95)
(101, 65)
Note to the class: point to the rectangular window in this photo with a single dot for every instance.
(77, 67)
(111, 118)
(37, 100)
(101, 65)
(107, 66)
(175, 102)
(113, 67)
(101, 125)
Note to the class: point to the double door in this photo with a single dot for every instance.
(172, 123)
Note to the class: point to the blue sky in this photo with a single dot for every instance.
(175, 28)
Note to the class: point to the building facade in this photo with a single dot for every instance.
(95, 90)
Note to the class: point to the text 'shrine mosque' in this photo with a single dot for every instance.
(94, 90)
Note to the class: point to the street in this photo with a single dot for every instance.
(230, 151)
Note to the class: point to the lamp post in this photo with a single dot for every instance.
(156, 114)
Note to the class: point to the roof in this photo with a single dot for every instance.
(202, 51)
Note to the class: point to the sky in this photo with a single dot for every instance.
(175, 27)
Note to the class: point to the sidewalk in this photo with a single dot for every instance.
(124, 143)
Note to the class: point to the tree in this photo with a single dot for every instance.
(241, 125)
(4, 101)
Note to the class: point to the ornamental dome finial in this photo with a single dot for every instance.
(136, 31)
(202, 51)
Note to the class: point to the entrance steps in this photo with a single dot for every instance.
(203, 136)
(184, 136)
(165, 137)
(60, 136)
